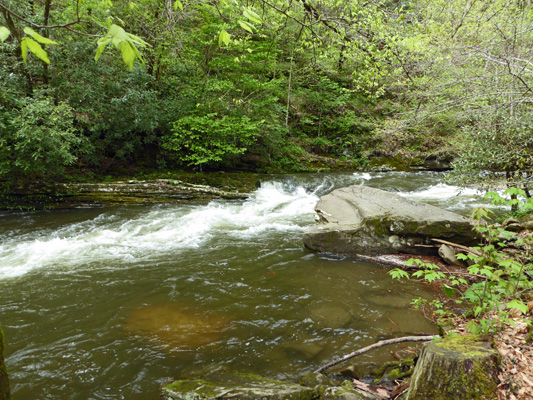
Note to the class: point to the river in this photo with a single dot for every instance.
(110, 303)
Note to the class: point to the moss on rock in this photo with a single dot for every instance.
(456, 368)
(237, 386)
(5, 388)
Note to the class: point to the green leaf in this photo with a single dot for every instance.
(252, 16)
(24, 49)
(30, 44)
(398, 273)
(223, 38)
(118, 35)
(178, 4)
(99, 51)
(128, 54)
(474, 328)
(518, 305)
(4, 33)
(36, 36)
(246, 26)
(448, 291)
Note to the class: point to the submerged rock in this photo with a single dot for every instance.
(237, 386)
(363, 220)
(176, 327)
(330, 316)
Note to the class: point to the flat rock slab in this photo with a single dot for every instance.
(368, 221)
(237, 386)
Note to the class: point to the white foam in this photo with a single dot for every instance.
(159, 231)
(440, 191)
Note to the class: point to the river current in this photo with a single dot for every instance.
(110, 303)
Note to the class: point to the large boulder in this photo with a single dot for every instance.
(364, 220)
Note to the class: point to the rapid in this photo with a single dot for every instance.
(110, 303)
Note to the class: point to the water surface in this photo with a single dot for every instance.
(111, 303)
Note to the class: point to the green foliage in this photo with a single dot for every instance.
(42, 141)
(500, 277)
(211, 140)
(125, 42)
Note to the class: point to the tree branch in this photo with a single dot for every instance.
(372, 347)
(14, 14)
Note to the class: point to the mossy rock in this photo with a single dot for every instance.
(346, 391)
(237, 386)
(5, 389)
(458, 368)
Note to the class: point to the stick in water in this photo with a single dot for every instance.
(381, 343)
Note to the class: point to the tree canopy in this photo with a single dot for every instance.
(264, 84)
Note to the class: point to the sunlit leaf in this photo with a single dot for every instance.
(178, 4)
(37, 37)
(518, 305)
(246, 26)
(252, 16)
(128, 54)
(4, 33)
(24, 49)
(99, 51)
(223, 38)
(30, 44)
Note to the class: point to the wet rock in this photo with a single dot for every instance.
(350, 371)
(331, 316)
(346, 392)
(314, 379)
(237, 386)
(447, 253)
(364, 220)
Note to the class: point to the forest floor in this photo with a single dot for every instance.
(513, 341)
(516, 350)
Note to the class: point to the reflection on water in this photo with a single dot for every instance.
(110, 303)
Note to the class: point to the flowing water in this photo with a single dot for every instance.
(111, 303)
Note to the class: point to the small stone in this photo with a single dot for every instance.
(447, 253)
(314, 379)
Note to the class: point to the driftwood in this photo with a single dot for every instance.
(459, 246)
(377, 345)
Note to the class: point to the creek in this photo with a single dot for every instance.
(109, 303)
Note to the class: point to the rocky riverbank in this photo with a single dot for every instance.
(69, 195)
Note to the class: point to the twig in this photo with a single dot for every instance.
(7, 10)
(459, 246)
(377, 345)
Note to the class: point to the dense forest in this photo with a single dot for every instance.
(92, 85)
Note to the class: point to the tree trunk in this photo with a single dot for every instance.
(459, 368)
